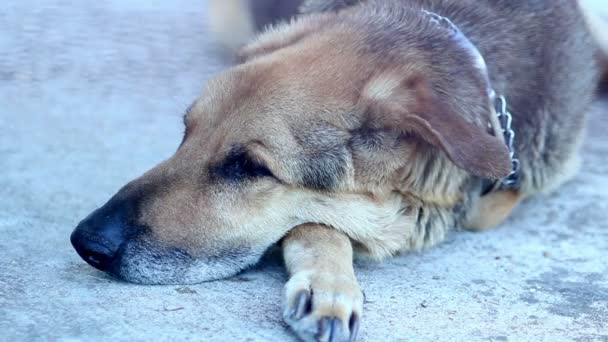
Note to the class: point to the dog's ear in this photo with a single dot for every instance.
(412, 106)
(283, 35)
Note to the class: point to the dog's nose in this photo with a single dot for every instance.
(98, 238)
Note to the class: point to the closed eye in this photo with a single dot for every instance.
(239, 166)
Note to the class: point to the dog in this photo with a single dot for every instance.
(358, 128)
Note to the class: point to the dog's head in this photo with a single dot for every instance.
(323, 123)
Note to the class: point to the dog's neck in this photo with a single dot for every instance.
(500, 119)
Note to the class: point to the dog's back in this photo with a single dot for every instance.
(541, 57)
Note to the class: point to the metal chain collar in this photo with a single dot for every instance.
(506, 121)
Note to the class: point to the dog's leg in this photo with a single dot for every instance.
(492, 209)
(323, 301)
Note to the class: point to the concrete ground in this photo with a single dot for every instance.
(91, 95)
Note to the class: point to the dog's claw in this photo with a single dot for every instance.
(353, 325)
(324, 329)
(302, 304)
(330, 329)
(324, 307)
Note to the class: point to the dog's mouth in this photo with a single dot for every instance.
(144, 261)
(132, 255)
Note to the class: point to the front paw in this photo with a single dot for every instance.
(323, 306)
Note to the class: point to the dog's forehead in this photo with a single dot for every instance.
(238, 107)
(278, 98)
(270, 92)
(226, 93)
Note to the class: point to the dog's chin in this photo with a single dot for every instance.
(143, 262)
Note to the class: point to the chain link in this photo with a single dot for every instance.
(506, 121)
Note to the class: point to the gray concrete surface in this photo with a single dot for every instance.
(91, 94)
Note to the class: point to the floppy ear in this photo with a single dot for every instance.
(412, 106)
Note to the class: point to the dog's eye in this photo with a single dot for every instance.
(239, 166)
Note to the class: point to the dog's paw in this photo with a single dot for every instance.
(323, 306)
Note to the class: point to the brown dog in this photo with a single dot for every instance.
(370, 128)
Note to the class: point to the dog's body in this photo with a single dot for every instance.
(370, 127)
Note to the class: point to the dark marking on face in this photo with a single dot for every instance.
(324, 160)
(372, 138)
(323, 170)
(238, 166)
(366, 138)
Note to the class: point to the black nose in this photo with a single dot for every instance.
(98, 238)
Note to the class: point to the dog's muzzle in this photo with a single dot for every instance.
(99, 237)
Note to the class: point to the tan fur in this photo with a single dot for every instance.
(336, 137)
(492, 210)
(322, 284)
